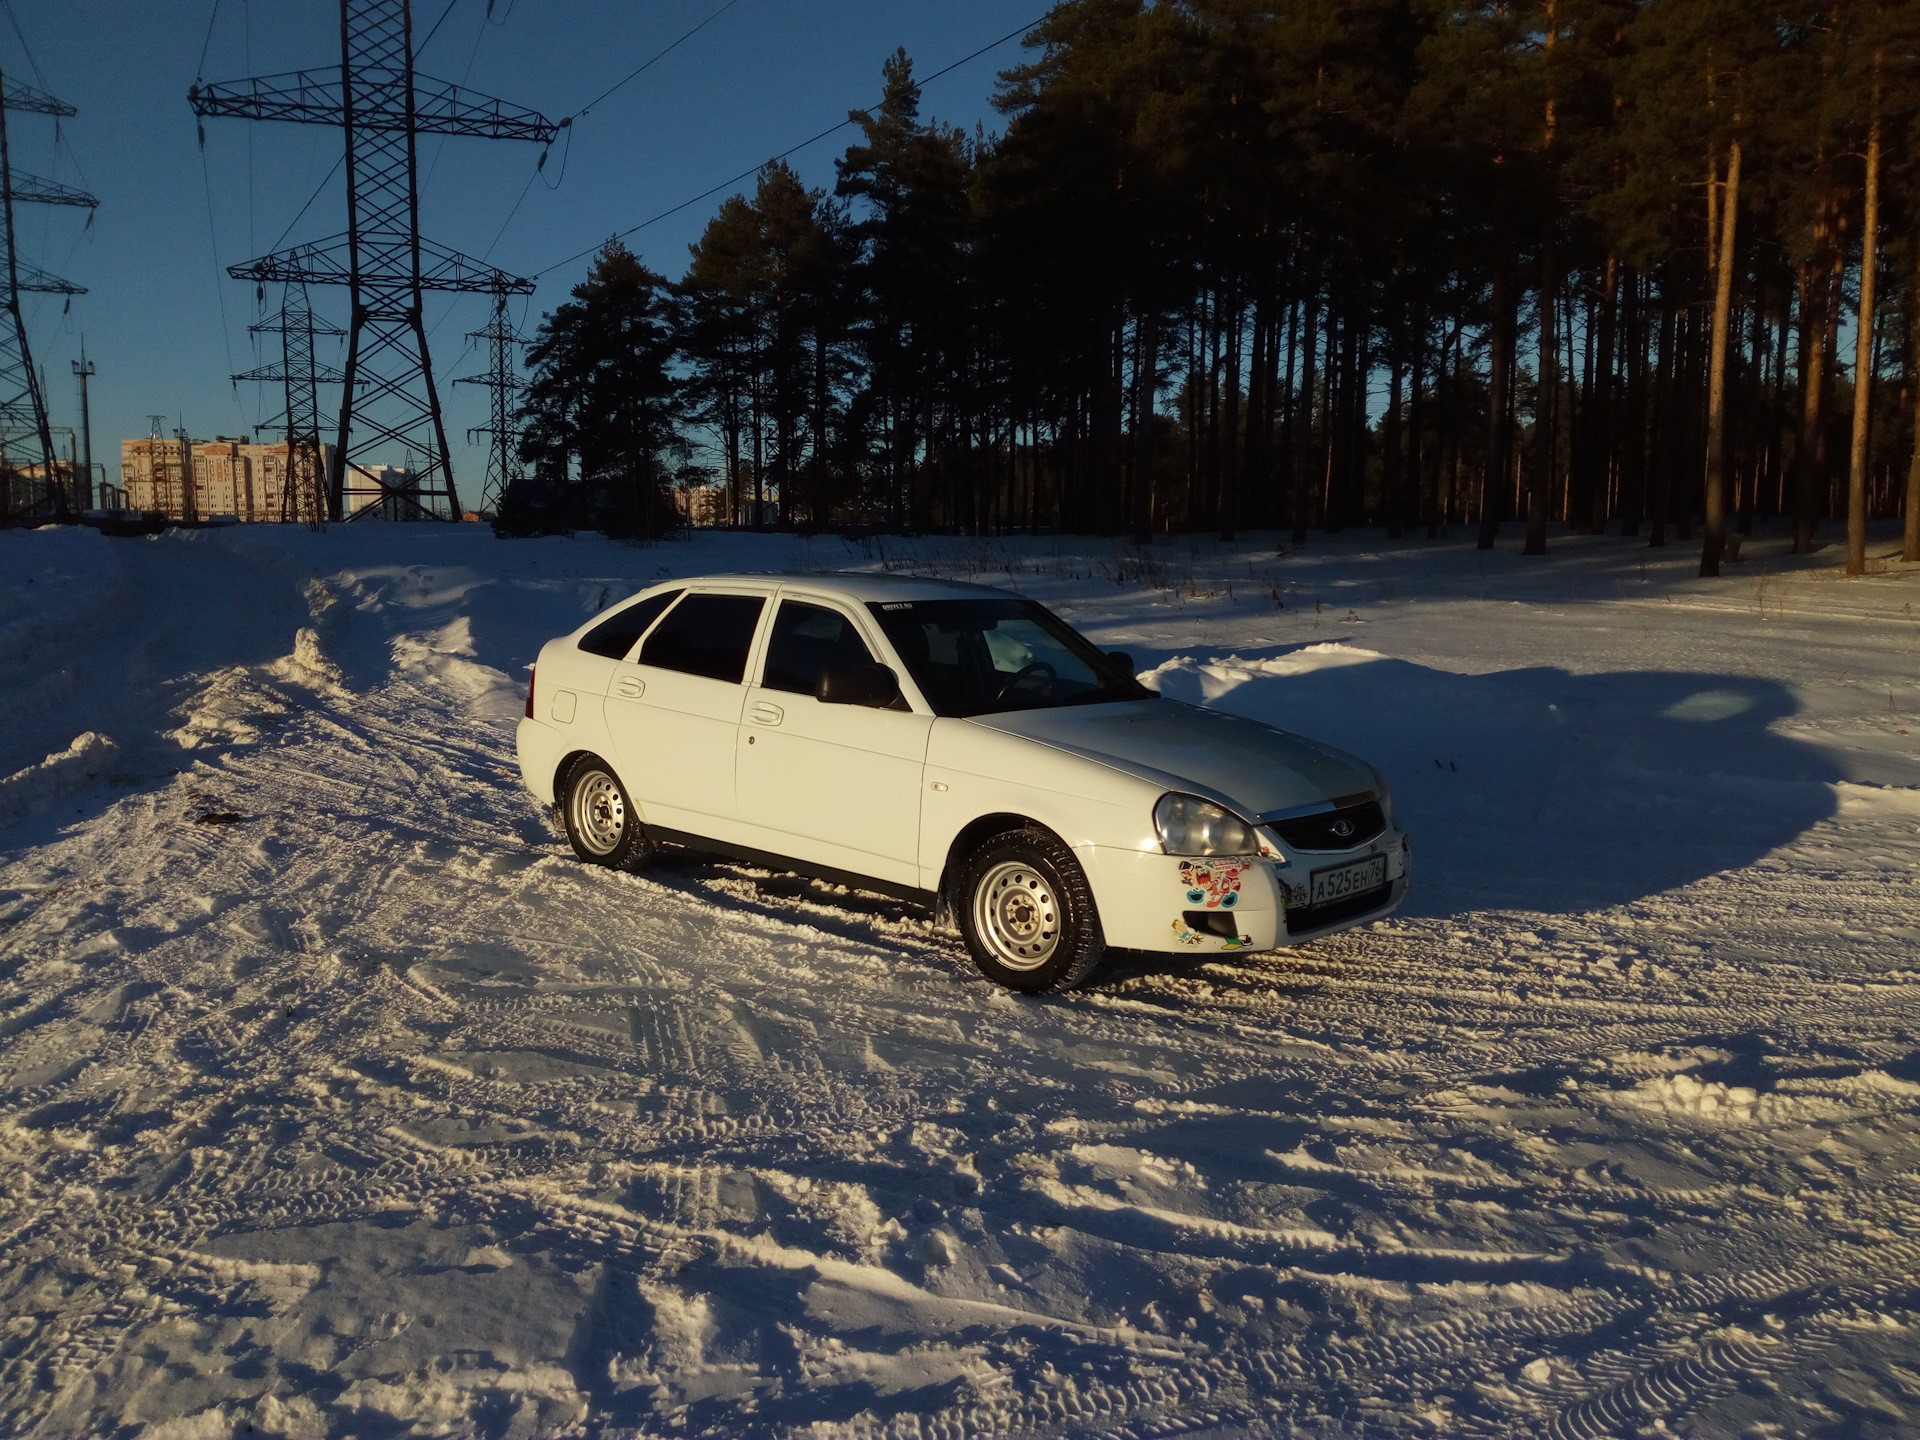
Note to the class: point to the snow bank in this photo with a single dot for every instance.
(38, 788)
(1198, 681)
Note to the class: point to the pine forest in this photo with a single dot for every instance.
(1643, 266)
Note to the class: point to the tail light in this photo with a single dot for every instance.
(530, 675)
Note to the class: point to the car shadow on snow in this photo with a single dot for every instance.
(1542, 790)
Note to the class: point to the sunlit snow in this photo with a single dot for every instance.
(337, 1098)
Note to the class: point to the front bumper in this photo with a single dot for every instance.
(1181, 905)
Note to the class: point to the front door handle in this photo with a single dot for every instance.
(632, 687)
(761, 713)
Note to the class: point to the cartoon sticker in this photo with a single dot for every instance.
(1226, 942)
(1212, 883)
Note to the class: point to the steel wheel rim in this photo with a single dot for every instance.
(1017, 916)
(599, 812)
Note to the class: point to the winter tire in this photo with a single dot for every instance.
(600, 821)
(1027, 913)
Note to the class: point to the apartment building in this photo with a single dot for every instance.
(226, 476)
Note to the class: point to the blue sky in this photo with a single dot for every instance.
(166, 327)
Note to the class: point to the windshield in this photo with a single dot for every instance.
(980, 657)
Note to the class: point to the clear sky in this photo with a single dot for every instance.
(166, 328)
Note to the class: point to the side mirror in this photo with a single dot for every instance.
(1123, 661)
(874, 686)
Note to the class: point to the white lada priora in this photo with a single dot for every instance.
(956, 745)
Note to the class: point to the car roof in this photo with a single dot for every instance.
(852, 585)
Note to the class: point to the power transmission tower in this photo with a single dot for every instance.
(303, 487)
(502, 378)
(166, 498)
(25, 437)
(383, 106)
(189, 482)
(84, 370)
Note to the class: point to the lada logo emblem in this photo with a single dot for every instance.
(1342, 828)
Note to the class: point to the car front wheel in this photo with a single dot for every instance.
(1027, 913)
(601, 824)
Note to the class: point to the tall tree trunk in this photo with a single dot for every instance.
(1493, 482)
(1108, 409)
(1632, 442)
(1390, 432)
(1910, 550)
(1664, 403)
(1715, 509)
(1146, 387)
(1691, 427)
(1288, 401)
(1601, 448)
(1422, 512)
(1253, 464)
(1863, 365)
(1763, 447)
(1807, 476)
(1539, 493)
(1229, 494)
(1338, 431)
(1303, 408)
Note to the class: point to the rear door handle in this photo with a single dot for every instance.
(762, 713)
(630, 686)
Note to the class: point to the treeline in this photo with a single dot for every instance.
(1300, 264)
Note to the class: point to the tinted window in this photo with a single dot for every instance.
(806, 640)
(706, 635)
(976, 657)
(613, 637)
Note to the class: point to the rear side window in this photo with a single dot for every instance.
(706, 635)
(613, 637)
(806, 640)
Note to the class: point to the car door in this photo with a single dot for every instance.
(835, 785)
(673, 710)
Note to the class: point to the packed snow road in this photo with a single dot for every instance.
(337, 1098)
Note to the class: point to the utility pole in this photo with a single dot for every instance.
(303, 486)
(25, 438)
(501, 377)
(83, 368)
(189, 502)
(388, 401)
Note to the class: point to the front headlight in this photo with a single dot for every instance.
(1189, 825)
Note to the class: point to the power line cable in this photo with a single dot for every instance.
(436, 27)
(25, 48)
(200, 70)
(636, 74)
(325, 180)
(219, 290)
(566, 153)
(790, 150)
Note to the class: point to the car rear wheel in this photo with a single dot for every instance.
(1027, 913)
(601, 824)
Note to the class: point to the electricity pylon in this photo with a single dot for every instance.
(383, 106)
(25, 437)
(502, 378)
(303, 487)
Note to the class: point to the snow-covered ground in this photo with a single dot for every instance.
(337, 1098)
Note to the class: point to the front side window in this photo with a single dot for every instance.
(706, 635)
(806, 640)
(980, 657)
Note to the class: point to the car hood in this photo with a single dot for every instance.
(1254, 767)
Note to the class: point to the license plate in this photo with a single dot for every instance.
(1344, 880)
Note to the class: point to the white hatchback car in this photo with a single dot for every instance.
(959, 746)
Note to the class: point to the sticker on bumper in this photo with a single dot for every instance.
(1212, 883)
